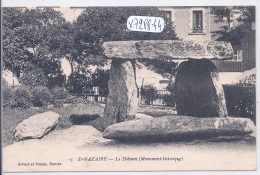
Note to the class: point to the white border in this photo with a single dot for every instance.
(23, 3)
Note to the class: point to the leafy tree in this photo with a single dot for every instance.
(100, 24)
(32, 38)
(100, 79)
(234, 14)
(33, 77)
(77, 83)
(239, 16)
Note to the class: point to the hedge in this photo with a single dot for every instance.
(21, 97)
(241, 100)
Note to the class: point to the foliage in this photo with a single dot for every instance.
(239, 16)
(100, 24)
(57, 80)
(33, 77)
(77, 83)
(169, 99)
(41, 96)
(12, 117)
(100, 79)
(149, 93)
(241, 100)
(60, 94)
(21, 97)
(234, 14)
(32, 38)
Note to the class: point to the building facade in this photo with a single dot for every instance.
(191, 23)
(197, 23)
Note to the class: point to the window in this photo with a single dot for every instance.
(197, 20)
(238, 56)
(197, 26)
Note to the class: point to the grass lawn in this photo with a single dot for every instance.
(13, 116)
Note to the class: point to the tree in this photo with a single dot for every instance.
(77, 83)
(100, 79)
(234, 14)
(240, 16)
(32, 39)
(100, 24)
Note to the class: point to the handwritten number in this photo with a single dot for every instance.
(146, 24)
(159, 25)
(130, 23)
(140, 22)
(136, 24)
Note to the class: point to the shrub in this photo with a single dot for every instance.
(149, 93)
(77, 83)
(241, 100)
(60, 94)
(21, 97)
(169, 100)
(41, 96)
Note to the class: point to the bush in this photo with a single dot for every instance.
(60, 94)
(149, 93)
(77, 83)
(41, 96)
(169, 100)
(241, 100)
(21, 98)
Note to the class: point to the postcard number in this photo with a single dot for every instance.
(145, 24)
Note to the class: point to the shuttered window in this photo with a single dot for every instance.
(197, 22)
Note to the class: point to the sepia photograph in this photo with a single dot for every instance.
(128, 88)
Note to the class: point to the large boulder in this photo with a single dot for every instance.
(178, 128)
(142, 116)
(36, 126)
(122, 101)
(76, 135)
(198, 90)
(170, 49)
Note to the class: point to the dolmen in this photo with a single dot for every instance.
(200, 100)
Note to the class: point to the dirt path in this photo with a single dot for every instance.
(69, 150)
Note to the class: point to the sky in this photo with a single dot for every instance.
(69, 14)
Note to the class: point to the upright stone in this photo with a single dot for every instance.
(198, 90)
(122, 101)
